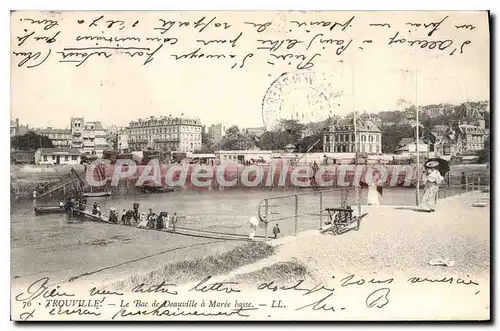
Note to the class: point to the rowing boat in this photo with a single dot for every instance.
(49, 210)
(96, 194)
(156, 189)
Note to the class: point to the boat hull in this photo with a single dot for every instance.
(156, 190)
(49, 210)
(96, 194)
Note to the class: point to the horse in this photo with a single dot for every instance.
(127, 217)
(160, 224)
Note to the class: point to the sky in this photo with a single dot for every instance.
(370, 76)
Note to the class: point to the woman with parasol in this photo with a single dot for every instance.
(435, 169)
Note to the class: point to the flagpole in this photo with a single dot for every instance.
(357, 198)
(418, 139)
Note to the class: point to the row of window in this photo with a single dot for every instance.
(170, 121)
(186, 136)
(479, 139)
(66, 157)
(166, 129)
(350, 149)
(350, 138)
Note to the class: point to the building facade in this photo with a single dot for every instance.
(94, 139)
(340, 137)
(217, 131)
(122, 141)
(61, 138)
(408, 146)
(472, 137)
(165, 133)
(77, 126)
(52, 156)
(88, 137)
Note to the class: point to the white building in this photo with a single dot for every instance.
(340, 137)
(165, 133)
(122, 141)
(242, 156)
(88, 137)
(77, 125)
(54, 156)
(408, 146)
(94, 138)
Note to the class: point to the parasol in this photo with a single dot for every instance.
(254, 222)
(437, 163)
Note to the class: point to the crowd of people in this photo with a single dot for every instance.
(132, 217)
(70, 204)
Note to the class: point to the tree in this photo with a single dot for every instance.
(235, 140)
(207, 141)
(308, 142)
(484, 155)
(112, 140)
(268, 141)
(30, 141)
(392, 135)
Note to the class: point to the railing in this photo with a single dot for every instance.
(291, 201)
(469, 183)
(264, 215)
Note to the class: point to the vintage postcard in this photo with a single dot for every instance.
(250, 165)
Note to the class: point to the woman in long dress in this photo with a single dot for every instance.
(253, 222)
(143, 223)
(374, 190)
(432, 179)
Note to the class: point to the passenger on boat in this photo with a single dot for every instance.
(82, 204)
(151, 219)
(166, 220)
(113, 216)
(96, 209)
(160, 220)
(136, 211)
(61, 204)
(174, 221)
(126, 216)
(143, 223)
(68, 206)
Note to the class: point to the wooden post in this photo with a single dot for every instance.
(320, 209)
(478, 183)
(296, 212)
(466, 183)
(266, 219)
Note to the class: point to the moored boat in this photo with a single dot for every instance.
(155, 189)
(49, 210)
(97, 194)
